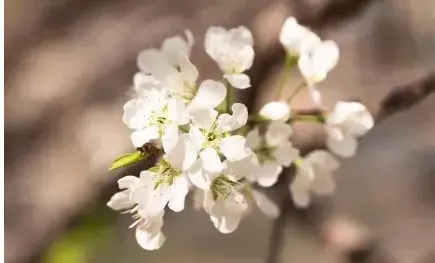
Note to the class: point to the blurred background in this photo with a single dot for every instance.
(68, 68)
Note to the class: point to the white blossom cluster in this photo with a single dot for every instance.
(223, 155)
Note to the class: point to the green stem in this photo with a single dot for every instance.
(290, 62)
(282, 82)
(308, 118)
(296, 92)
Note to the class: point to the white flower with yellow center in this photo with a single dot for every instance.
(152, 116)
(223, 196)
(232, 50)
(273, 151)
(167, 182)
(314, 174)
(148, 228)
(347, 122)
(211, 134)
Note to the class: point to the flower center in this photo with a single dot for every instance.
(214, 137)
(159, 120)
(165, 174)
(222, 187)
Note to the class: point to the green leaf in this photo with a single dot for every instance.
(127, 159)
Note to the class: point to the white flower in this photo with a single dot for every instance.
(296, 38)
(223, 198)
(345, 124)
(316, 61)
(276, 111)
(273, 151)
(232, 50)
(167, 182)
(150, 117)
(211, 134)
(170, 66)
(313, 174)
(148, 228)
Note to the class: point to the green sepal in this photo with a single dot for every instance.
(127, 159)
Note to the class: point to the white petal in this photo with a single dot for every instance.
(241, 36)
(170, 137)
(226, 224)
(134, 114)
(232, 50)
(209, 95)
(211, 161)
(128, 181)
(146, 60)
(346, 147)
(277, 133)
(285, 153)
(244, 60)
(144, 83)
(323, 159)
(147, 242)
(316, 63)
(276, 110)
(334, 131)
(180, 188)
(160, 197)
(203, 118)
(208, 203)
(236, 170)
(302, 180)
(144, 191)
(293, 36)
(239, 81)
(189, 37)
(198, 197)
(233, 148)
(300, 188)
(214, 37)
(153, 62)
(301, 199)
(183, 154)
(174, 46)
(196, 136)
(316, 96)
(198, 177)
(177, 112)
(323, 184)
(140, 137)
(268, 173)
(235, 121)
(266, 205)
(188, 71)
(352, 117)
(120, 201)
(253, 139)
(151, 225)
